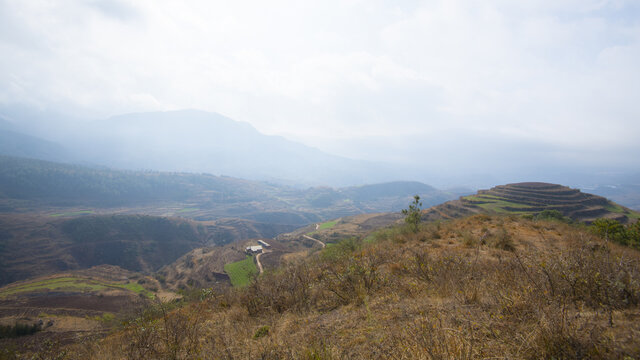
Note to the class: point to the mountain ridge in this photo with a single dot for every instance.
(199, 141)
(36, 185)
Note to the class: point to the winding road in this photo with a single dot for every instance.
(264, 251)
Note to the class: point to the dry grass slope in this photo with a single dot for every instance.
(498, 287)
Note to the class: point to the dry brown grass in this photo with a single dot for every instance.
(480, 287)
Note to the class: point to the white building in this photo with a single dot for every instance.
(264, 243)
(256, 249)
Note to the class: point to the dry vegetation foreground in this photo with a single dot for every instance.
(480, 287)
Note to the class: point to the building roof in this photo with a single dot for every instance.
(254, 248)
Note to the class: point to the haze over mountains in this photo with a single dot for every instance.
(202, 142)
(192, 141)
(208, 179)
(46, 187)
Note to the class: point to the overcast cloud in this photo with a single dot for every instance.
(368, 79)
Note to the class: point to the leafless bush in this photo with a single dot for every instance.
(352, 278)
(502, 240)
(287, 289)
(160, 333)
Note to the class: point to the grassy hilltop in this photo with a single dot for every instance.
(532, 198)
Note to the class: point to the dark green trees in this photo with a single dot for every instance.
(612, 230)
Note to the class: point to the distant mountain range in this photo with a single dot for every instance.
(55, 189)
(18, 144)
(203, 142)
(189, 141)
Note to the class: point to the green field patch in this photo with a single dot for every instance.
(323, 226)
(614, 208)
(241, 272)
(136, 288)
(106, 318)
(189, 209)
(327, 225)
(485, 197)
(72, 284)
(73, 213)
(61, 283)
(497, 204)
(500, 208)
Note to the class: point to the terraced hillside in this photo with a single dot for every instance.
(533, 198)
(74, 304)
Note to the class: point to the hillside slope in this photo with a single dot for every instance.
(28, 185)
(72, 304)
(34, 245)
(478, 287)
(17, 144)
(532, 198)
(518, 199)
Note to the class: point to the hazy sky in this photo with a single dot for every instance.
(371, 79)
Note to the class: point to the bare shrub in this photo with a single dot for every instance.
(288, 289)
(352, 279)
(159, 333)
(502, 240)
(559, 338)
(469, 240)
(428, 337)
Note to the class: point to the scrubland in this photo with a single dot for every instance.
(482, 287)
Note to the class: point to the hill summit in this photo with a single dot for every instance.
(533, 198)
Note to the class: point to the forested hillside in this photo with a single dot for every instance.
(34, 246)
(63, 184)
(36, 184)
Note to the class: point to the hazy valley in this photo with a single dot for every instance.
(84, 248)
(427, 180)
(87, 248)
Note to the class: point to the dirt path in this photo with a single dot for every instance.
(316, 240)
(259, 263)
